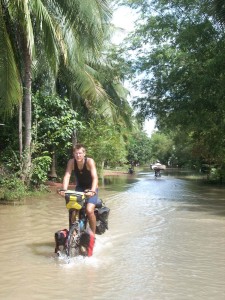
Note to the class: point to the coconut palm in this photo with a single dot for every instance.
(66, 29)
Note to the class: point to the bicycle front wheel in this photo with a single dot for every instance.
(72, 247)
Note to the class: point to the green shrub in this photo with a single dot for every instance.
(40, 170)
(12, 188)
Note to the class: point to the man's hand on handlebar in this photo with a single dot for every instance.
(61, 192)
(89, 193)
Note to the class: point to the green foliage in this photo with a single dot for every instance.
(184, 73)
(58, 31)
(54, 121)
(10, 85)
(13, 164)
(161, 147)
(12, 188)
(62, 41)
(40, 168)
(104, 143)
(139, 148)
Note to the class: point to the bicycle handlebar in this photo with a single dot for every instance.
(76, 192)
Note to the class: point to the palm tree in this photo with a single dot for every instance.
(65, 29)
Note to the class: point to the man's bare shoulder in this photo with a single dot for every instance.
(90, 162)
(70, 163)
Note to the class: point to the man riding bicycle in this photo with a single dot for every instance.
(86, 180)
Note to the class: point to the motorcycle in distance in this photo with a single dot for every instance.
(157, 167)
(79, 239)
(157, 173)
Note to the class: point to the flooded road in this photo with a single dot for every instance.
(165, 242)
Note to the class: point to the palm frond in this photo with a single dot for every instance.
(10, 87)
(89, 20)
(48, 28)
(20, 10)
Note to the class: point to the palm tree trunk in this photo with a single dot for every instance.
(20, 132)
(28, 112)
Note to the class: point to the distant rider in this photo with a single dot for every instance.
(157, 168)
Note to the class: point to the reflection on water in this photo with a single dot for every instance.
(117, 183)
(165, 241)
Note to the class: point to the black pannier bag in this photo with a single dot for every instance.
(60, 238)
(102, 215)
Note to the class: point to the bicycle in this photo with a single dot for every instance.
(79, 239)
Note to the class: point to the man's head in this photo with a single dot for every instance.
(79, 152)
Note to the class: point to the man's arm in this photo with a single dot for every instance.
(66, 178)
(93, 170)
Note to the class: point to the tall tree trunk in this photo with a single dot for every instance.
(28, 112)
(52, 174)
(20, 132)
(74, 137)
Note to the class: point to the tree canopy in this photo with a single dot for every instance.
(62, 81)
(180, 54)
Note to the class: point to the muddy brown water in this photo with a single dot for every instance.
(165, 242)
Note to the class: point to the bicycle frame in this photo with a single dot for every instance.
(76, 228)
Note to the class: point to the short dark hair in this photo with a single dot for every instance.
(79, 146)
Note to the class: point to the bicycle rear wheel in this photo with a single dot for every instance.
(72, 245)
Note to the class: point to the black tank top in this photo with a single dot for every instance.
(83, 177)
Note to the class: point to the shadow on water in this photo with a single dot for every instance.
(117, 183)
(205, 199)
(44, 249)
(209, 209)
